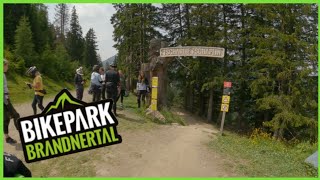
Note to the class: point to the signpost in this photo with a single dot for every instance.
(154, 94)
(225, 102)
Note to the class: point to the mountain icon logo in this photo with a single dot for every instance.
(61, 100)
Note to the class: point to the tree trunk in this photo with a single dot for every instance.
(191, 99)
(201, 105)
(187, 96)
(180, 22)
(210, 105)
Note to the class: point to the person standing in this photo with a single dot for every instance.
(103, 78)
(142, 88)
(112, 83)
(122, 87)
(79, 82)
(96, 84)
(37, 86)
(9, 110)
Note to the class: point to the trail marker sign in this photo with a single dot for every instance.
(154, 81)
(225, 99)
(154, 94)
(224, 107)
(227, 84)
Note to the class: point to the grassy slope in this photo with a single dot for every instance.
(19, 91)
(264, 157)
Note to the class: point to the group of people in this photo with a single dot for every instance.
(110, 84)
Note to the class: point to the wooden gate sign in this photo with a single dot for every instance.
(203, 51)
(225, 107)
(225, 99)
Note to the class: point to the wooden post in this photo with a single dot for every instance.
(222, 122)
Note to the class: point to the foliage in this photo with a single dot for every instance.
(61, 20)
(75, 41)
(270, 56)
(31, 40)
(90, 56)
(134, 26)
(23, 42)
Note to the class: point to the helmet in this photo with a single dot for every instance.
(95, 68)
(31, 71)
(79, 71)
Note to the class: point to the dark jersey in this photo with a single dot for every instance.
(78, 79)
(112, 80)
(14, 166)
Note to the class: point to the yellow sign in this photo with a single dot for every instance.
(224, 107)
(154, 93)
(225, 99)
(154, 81)
(153, 104)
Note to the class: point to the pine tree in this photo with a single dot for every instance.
(39, 26)
(134, 27)
(12, 15)
(90, 56)
(62, 20)
(23, 42)
(74, 40)
(279, 68)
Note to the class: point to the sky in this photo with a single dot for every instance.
(96, 16)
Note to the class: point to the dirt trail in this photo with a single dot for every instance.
(163, 151)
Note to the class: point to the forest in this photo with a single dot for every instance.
(56, 49)
(271, 59)
(271, 55)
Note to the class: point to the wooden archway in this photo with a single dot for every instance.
(160, 58)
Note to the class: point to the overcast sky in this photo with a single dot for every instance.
(96, 16)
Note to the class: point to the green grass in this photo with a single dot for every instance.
(264, 157)
(19, 91)
(133, 117)
(172, 118)
(131, 101)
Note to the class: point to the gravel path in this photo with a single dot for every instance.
(163, 151)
